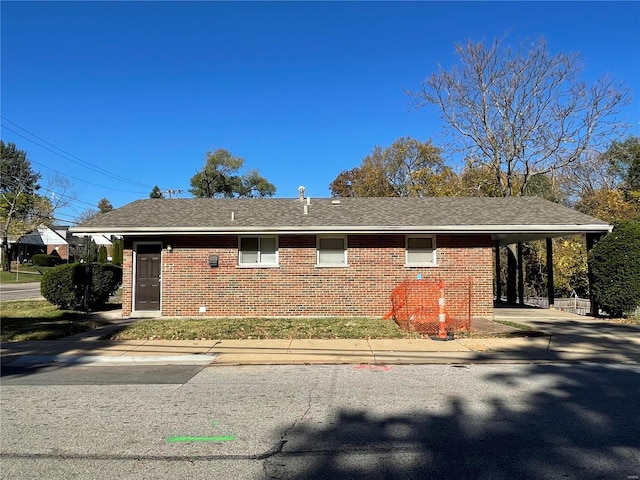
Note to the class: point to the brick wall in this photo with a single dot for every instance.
(298, 288)
(127, 277)
(62, 250)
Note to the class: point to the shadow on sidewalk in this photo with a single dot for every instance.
(80, 343)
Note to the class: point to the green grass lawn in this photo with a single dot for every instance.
(22, 274)
(39, 320)
(261, 328)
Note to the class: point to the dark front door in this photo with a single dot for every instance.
(148, 277)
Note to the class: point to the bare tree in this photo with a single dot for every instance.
(593, 173)
(24, 203)
(86, 214)
(607, 184)
(522, 112)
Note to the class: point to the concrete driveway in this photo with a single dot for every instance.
(576, 334)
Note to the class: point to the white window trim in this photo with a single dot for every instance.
(331, 265)
(259, 264)
(434, 257)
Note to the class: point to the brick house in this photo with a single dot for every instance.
(318, 257)
(50, 241)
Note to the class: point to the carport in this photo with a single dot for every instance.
(513, 242)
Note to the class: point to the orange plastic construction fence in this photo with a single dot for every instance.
(432, 307)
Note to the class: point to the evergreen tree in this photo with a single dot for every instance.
(104, 206)
(117, 252)
(615, 263)
(156, 193)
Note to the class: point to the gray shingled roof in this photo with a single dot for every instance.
(280, 215)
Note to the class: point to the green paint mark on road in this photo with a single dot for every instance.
(226, 438)
(214, 423)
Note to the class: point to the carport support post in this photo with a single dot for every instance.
(498, 269)
(592, 238)
(520, 275)
(512, 271)
(550, 285)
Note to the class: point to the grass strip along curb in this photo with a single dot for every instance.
(261, 328)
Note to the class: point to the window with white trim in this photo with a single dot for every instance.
(262, 250)
(332, 251)
(421, 250)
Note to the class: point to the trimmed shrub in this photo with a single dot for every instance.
(105, 280)
(102, 254)
(117, 251)
(615, 264)
(44, 260)
(64, 285)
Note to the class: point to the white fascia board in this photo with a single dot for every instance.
(442, 229)
(94, 232)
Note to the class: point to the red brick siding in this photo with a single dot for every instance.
(298, 288)
(127, 277)
(62, 250)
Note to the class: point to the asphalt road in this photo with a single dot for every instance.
(322, 422)
(20, 291)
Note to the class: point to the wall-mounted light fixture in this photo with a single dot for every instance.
(169, 248)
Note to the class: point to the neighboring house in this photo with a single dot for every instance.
(103, 241)
(318, 257)
(79, 244)
(56, 240)
(43, 240)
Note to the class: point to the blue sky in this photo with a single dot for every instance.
(121, 96)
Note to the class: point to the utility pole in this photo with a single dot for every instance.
(172, 191)
(87, 272)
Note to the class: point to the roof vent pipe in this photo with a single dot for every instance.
(233, 216)
(301, 192)
(306, 209)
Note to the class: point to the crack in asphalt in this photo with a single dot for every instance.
(166, 458)
(283, 437)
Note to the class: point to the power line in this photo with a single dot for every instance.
(72, 201)
(63, 215)
(67, 155)
(68, 197)
(84, 181)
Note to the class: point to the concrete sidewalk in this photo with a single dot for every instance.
(567, 338)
